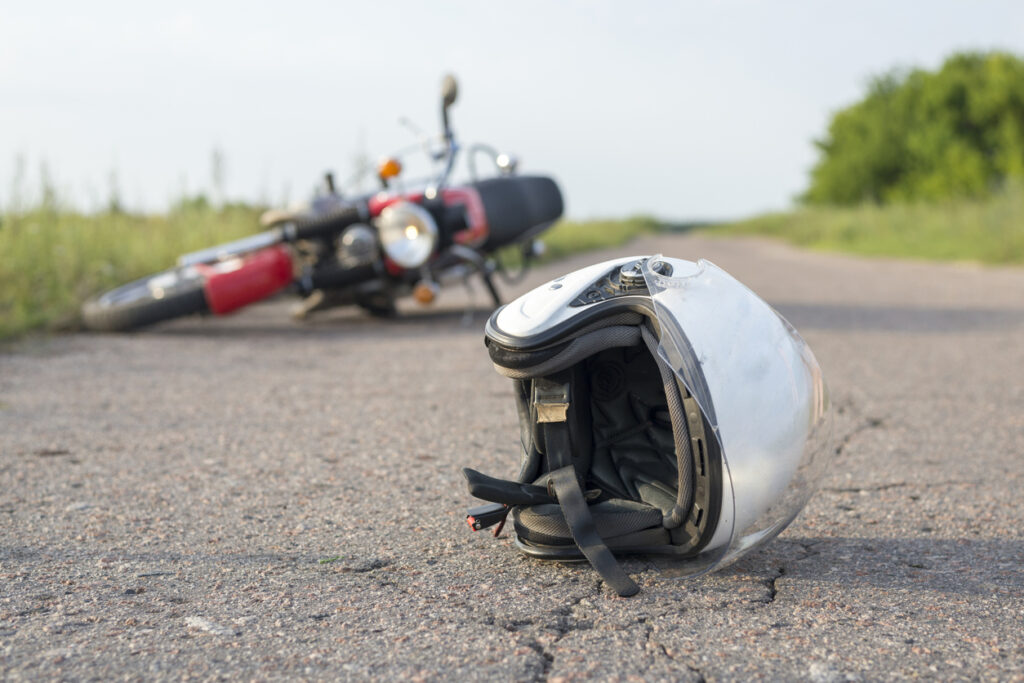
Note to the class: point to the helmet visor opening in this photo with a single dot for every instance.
(630, 436)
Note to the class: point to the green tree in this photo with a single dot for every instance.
(926, 135)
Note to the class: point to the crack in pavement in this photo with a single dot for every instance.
(659, 646)
(770, 584)
(900, 484)
(866, 425)
(369, 565)
(547, 660)
(561, 621)
(809, 548)
(564, 623)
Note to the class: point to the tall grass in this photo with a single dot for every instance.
(571, 237)
(52, 260)
(986, 230)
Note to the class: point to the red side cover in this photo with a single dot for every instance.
(239, 282)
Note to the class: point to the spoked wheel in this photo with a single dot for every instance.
(170, 294)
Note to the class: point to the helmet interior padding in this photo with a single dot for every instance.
(602, 405)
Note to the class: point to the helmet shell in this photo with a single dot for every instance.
(760, 388)
(754, 378)
(548, 313)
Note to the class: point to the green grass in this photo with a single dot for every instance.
(573, 237)
(985, 230)
(51, 261)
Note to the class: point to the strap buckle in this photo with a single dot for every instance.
(484, 516)
(551, 400)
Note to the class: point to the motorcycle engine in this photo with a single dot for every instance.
(357, 246)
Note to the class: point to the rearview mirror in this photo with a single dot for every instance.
(449, 90)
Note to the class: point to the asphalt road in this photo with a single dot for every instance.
(251, 498)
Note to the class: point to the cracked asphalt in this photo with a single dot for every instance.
(251, 498)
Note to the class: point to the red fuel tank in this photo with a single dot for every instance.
(238, 282)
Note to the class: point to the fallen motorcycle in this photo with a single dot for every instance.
(367, 251)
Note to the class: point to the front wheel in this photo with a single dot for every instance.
(170, 294)
(378, 304)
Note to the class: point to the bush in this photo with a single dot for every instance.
(958, 132)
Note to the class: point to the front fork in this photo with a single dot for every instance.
(482, 266)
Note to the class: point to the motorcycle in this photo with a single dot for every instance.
(368, 251)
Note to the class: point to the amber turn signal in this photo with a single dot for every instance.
(389, 167)
(425, 292)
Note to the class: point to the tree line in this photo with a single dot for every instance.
(920, 135)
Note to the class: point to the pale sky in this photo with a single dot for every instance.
(680, 109)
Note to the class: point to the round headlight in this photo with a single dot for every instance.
(408, 234)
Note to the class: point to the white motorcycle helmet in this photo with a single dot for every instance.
(664, 408)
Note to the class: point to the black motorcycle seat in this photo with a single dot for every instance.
(518, 207)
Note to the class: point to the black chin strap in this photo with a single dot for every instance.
(551, 401)
(584, 533)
